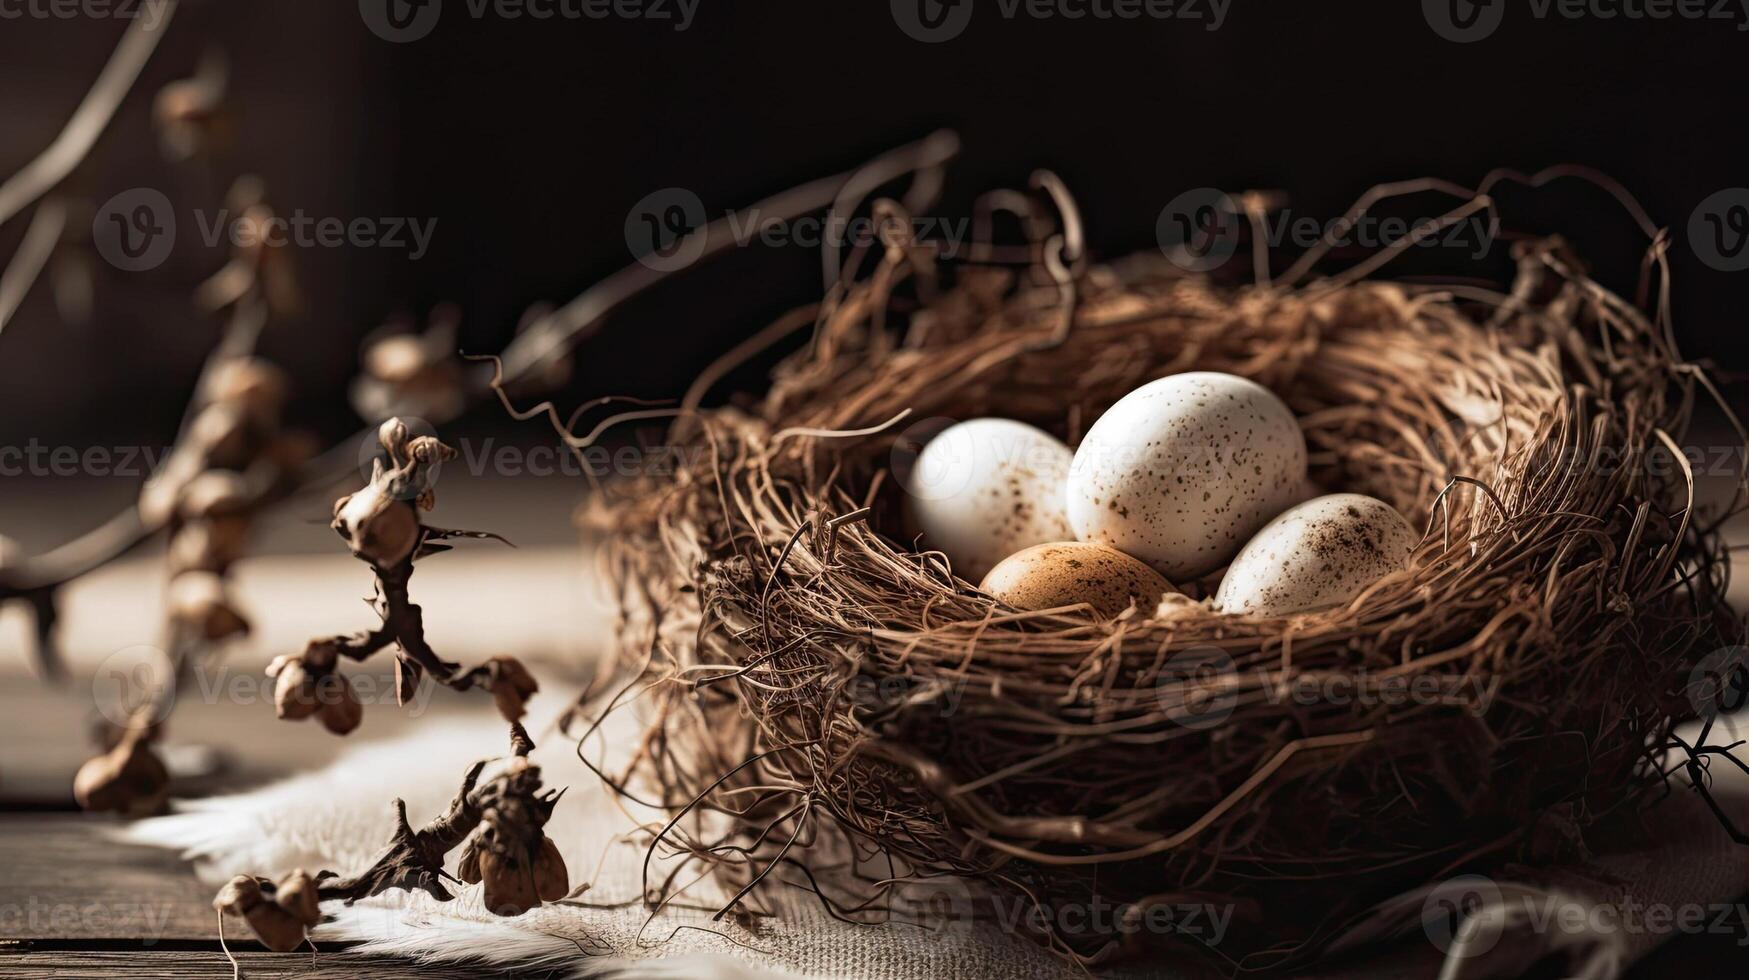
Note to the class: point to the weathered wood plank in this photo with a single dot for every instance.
(214, 966)
(65, 880)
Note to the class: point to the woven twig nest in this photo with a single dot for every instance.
(818, 676)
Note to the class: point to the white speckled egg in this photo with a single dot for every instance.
(986, 488)
(1181, 471)
(1063, 573)
(1321, 553)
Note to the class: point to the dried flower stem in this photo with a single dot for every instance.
(508, 852)
(381, 524)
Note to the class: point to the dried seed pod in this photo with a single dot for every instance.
(255, 232)
(296, 893)
(239, 895)
(377, 527)
(189, 112)
(306, 683)
(410, 374)
(219, 435)
(294, 689)
(321, 655)
(207, 546)
(551, 879)
(341, 711)
(396, 358)
(279, 928)
(162, 493)
(511, 685)
(197, 601)
(214, 493)
(289, 451)
(392, 436)
(469, 868)
(425, 450)
(508, 881)
(251, 384)
(128, 779)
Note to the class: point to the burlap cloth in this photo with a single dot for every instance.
(1602, 916)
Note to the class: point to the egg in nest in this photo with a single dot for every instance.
(1319, 554)
(985, 488)
(1063, 573)
(1183, 470)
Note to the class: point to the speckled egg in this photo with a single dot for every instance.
(986, 488)
(1063, 573)
(1181, 471)
(1321, 553)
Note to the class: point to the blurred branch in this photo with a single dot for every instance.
(128, 530)
(550, 337)
(33, 253)
(557, 332)
(90, 119)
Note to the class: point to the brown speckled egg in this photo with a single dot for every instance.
(1321, 553)
(1181, 471)
(986, 488)
(1063, 573)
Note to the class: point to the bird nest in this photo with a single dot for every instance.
(821, 684)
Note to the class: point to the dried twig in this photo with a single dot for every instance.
(382, 525)
(93, 115)
(506, 851)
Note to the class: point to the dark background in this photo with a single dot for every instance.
(528, 140)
